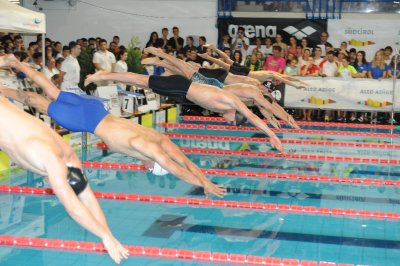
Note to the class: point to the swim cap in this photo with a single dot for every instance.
(21, 75)
(158, 170)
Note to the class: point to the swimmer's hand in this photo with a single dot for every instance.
(94, 77)
(209, 45)
(215, 189)
(205, 56)
(293, 122)
(116, 251)
(276, 143)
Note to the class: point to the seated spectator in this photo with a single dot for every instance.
(275, 62)
(377, 69)
(260, 56)
(50, 52)
(238, 58)
(37, 61)
(50, 69)
(175, 42)
(240, 42)
(309, 69)
(258, 44)
(361, 65)
(202, 41)
(387, 54)
(253, 63)
(188, 46)
(163, 41)
(225, 42)
(292, 69)
(153, 40)
(58, 50)
(194, 57)
(303, 60)
(55, 79)
(391, 72)
(59, 62)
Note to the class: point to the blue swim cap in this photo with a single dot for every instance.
(21, 75)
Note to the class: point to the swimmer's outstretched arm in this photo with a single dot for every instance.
(217, 61)
(221, 54)
(39, 78)
(28, 98)
(57, 173)
(174, 152)
(255, 120)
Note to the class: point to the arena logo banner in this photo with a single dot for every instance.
(365, 34)
(342, 94)
(269, 27)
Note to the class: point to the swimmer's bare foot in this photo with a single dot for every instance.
(8, 60)
(94, 77)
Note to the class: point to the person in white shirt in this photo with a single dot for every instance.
(121, 66)
(241, 42)
(70, 69)
(50, 69)
(103, 60)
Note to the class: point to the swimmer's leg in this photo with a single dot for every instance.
(32, 99)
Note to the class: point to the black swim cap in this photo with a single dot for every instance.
(239, 119)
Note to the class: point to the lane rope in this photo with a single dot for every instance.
(230, 204)
(279, 130)
(159, 252)
(300, 123)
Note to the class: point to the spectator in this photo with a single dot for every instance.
(352, 55)
(292, 47)
(175, 42)
(164, 39)
(59, 62)
(85, 43)
(267, 51)
(225, 42)
(275, 62)
(58, 49)
(116, 40)
(253, 63)
(65, 51)
(238, 58)
(391, 72)
(292, 69)
(317, 56)
(153, 40)
(50, 52)
(241, 42)
(377, 69)
(361, 65)
(50, 68)
(55, 79)
(303, 60)
(343, 48)
(309, 69)
(387, 54)
(103, 59)
(2, 51)
(121, 65)
(188, 46)
(228, 52)
(346, 70)
(323, 43)
(113, 48)
(329, 67)
(194, 57)
(279, 42)
(258, 44)
(202, 41)
(70, 69)
(37, 61)
(18, 43)
(304, 44)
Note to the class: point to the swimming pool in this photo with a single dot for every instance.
(327, 205)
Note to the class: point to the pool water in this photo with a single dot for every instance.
(339, 239)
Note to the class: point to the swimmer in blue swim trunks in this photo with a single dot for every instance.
(36, 147)
(121, 135)
(216, 77)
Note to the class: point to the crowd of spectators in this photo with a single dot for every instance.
(295, 58)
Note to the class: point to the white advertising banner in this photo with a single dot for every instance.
(341, 94)
(368, 35)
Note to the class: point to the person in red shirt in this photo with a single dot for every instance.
(309, 69)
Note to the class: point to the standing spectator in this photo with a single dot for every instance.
(121, 66)
(329, 67)
(317, 56)
(352, 56)
(59, 62)
(304, 44)
(346, 70)
(303, 60)
(240, 42)
(50, 68)
(323, 42)
(279, 42)
(275, 62)
(116, 40)
(153, 40)
(225, 42)
(267, 51)
(58, 50)
(175, 42)
(18, 43)
(387, 54)
(70, 69)
(391, 73)
(85, 43)
(202, 41)
(343, 48)
(164, 39)
(37, 61)
(292, 47)
(309, 69)
(103, 59)
(65, 51)
(188, 46)
(377, 69)
(258, 44)
(361, 65)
